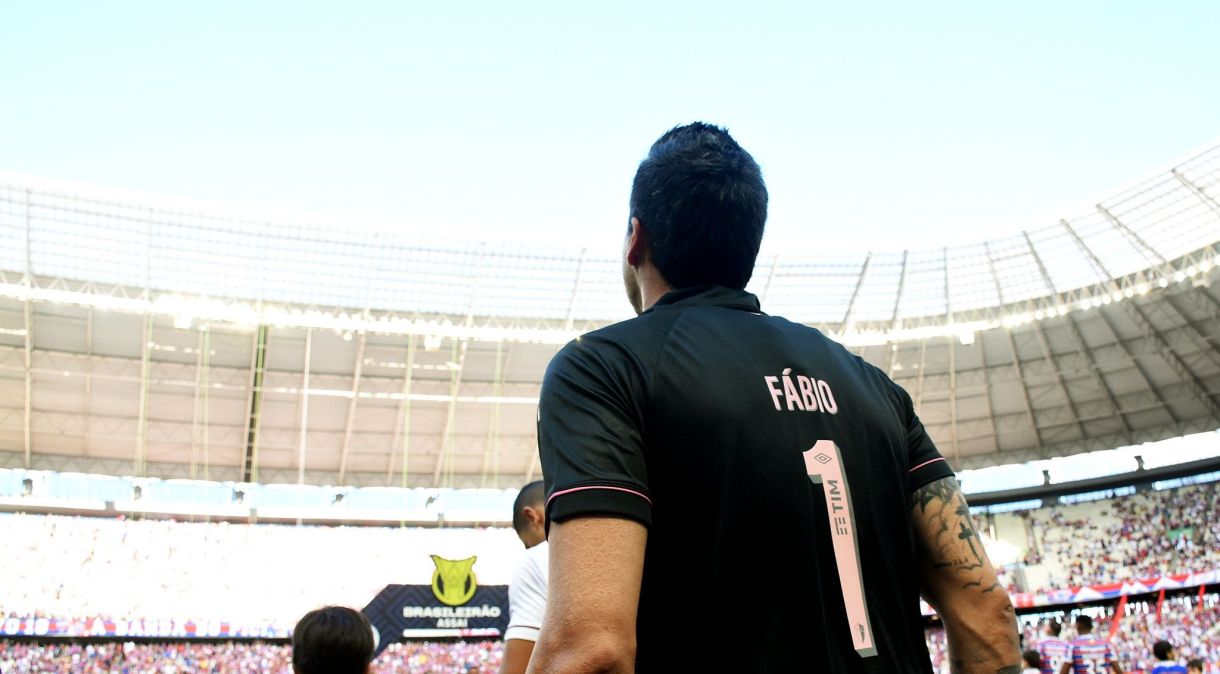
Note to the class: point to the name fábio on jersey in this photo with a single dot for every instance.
(800, 393)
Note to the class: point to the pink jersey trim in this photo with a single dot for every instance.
(930, 461)
(576, 489)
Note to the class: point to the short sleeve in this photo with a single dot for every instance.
(924, 462)
(526, 601)
(590, 436)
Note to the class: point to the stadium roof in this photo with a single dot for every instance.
(139, 336)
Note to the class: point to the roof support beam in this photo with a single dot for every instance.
(402, 424)
(303, 408)
(1084, 351)
(357, 373)
(1122, 344)
(1213, 309)
(902, 281)
(944, 266)
(27, 279)
(145, 376)
(195, 411)
(923, 364)
(1200, 337)
(1054, 367)
(1046, 277)
(445, 457)
(953, 397)
(770, 277)
(1152, 255)
(254, 418)
(1151, 331)
(205, 410)
(1105, 273)
(1029, 408)
(88, 379)
(851, 303)
(580, 273)
(532, 468)
(1077, 338)
(303, 423)
(1171, 357)
(995, 278)
(27, 417)
(995, 433)
(491, 450)
(1203, 196)
(1098, 266)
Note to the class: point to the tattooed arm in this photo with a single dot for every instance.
(960, 583)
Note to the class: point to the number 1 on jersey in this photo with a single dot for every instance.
(824, 464)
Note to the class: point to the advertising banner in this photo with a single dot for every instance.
(1083, 593)
(453, 605)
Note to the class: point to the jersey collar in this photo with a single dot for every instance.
(717, 296)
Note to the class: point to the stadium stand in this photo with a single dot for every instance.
(255, 575)
(259, 575)
(1129, 537)
(1121, 539)
(1191, 627)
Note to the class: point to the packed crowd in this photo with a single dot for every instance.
(1194, 632)
(1129, 538)
(234, 658)
(250, 575)
(260, 576)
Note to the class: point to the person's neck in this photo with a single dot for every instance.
(652, 286)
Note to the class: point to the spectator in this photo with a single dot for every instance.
(332, 640)
(1166, 659)
(1033, 662)
(527, 593)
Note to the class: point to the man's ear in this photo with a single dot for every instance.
(535, 514)
(637, 246)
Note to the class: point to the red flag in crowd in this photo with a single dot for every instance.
(1118, 616)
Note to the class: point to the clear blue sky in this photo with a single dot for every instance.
(877, 125)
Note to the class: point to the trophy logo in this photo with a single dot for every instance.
(454, 581)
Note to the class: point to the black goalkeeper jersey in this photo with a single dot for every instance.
(774, 471)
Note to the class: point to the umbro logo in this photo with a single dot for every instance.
(822, 458)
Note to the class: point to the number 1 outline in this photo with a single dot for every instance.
(824, 464)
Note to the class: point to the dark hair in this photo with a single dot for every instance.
(1055, 626)
(530, 495)
(1161, 649)
(1032, 659)
(1195, 663)
(1084, 622)
(332, 640)
(703, 204)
